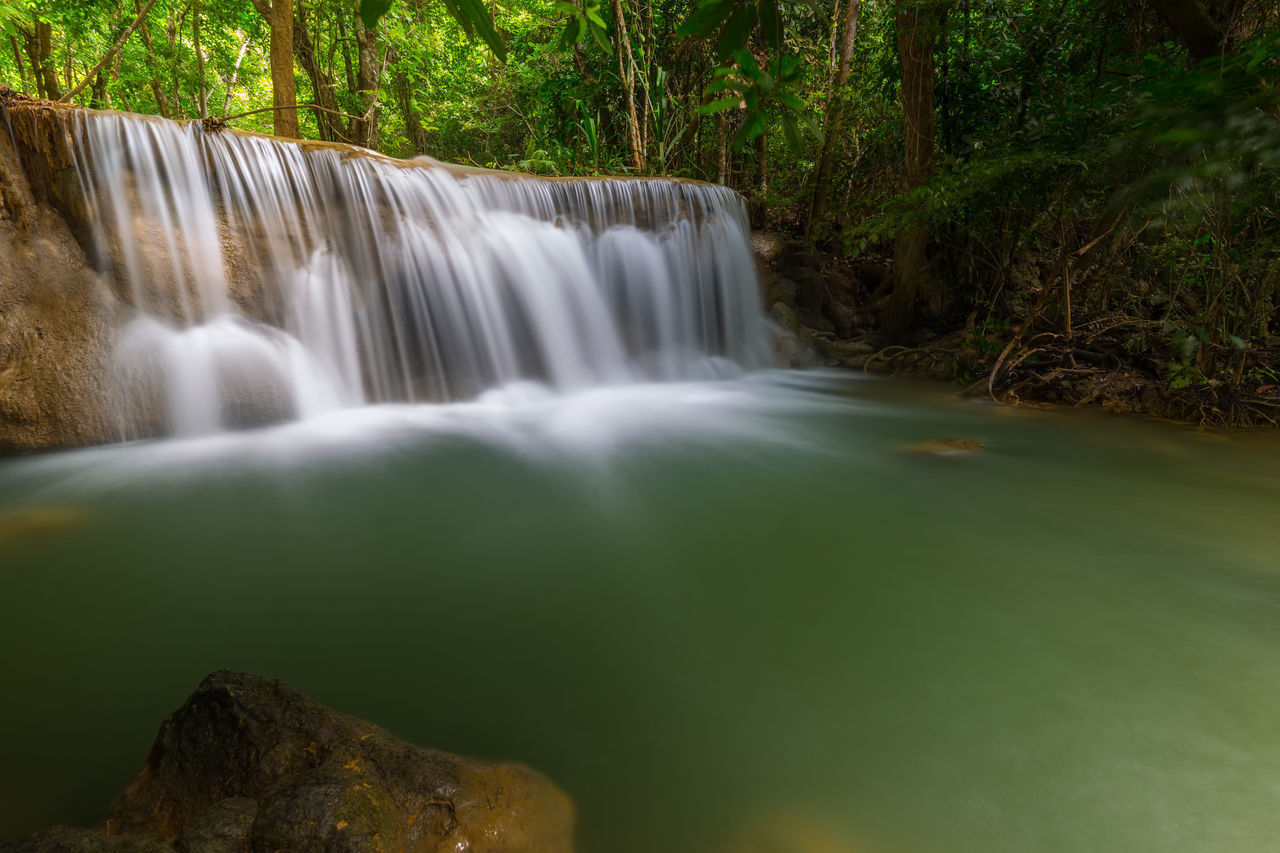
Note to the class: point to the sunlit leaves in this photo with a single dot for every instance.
(471, 15)
(11, 11)
(474, 19)
(583, 21)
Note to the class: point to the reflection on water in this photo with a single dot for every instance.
(724, 616)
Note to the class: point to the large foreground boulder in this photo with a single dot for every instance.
(251, 764)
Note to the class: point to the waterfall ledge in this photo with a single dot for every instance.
(163, 279)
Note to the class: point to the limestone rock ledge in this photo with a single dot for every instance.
(57, 315)
(252, 764)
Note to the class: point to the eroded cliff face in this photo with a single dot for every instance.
(57, 314)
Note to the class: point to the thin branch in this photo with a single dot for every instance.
(213, 123)
(102, 63)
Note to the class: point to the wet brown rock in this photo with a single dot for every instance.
(784, 315)
(56, 319)
(946, 447)
(251, 761)
(64, 839)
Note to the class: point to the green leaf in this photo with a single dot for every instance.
(601, 38)
(706, 19)
(720, 105)
(792, 134)
(770, 22)
(789, 69)
(790, 101)
(747, 62)
(458, 15)
(751, 127)
(371, 11)
(734, 35)
(812, 126)
(472, 13)
(570, 33)
(724, 84)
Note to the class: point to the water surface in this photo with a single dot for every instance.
(710, 611)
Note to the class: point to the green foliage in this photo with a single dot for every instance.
(371, 11)
(1075, 139)
(581, 21)
(471, 15)
(741, 82)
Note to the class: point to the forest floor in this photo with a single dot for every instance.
(830, 305)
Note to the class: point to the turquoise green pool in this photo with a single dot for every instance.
(712, 613)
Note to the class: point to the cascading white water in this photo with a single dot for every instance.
(280, 279)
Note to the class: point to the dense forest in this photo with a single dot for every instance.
(1061, 185)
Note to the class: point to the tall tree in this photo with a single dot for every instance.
(364, 129)
(626, 76)
(283, 95)
(17, 61)
(917, 25)
(1201, 26)
(40, 51)
(203, 105)
(328, 116)
(834, 118)
(153, 65)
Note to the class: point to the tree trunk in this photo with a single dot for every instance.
(31, 45)
(722, 149)
(328, 119)
(282, 87)
(157, 91)
(203, 106)
(647, 117)
(175, 51)
(626, 75)
(364, 130)
(235, 73)
(1195, 25)
(835, 118)
(17, 61)
(917, 28)
(98, 98)
(47, 73)
(762, 173)
(412, 124)
(68, 57)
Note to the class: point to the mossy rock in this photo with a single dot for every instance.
(251, 764)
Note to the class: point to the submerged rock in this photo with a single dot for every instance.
(22, 527)
(791, 832)
(251, 764)
(946, 447)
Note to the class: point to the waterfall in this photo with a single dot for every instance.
(273, 279)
